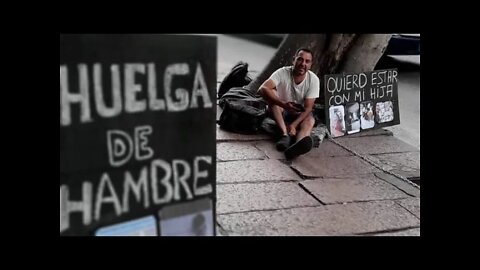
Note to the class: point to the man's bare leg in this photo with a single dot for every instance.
(306, 127)
(277, 114)
(304, 142)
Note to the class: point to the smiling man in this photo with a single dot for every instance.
(291, 92)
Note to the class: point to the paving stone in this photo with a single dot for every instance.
(254, 171)
(412, 205)
(399, 183)
(332, 167)
(376, 145)
(409, 232)
(328, 220)
(226, 136)
(368, 188)
(238, 151)
(261, 196)
(404, 164)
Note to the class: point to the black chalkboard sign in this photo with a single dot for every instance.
(137, 130)
(361, 101)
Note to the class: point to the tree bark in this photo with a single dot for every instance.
(329, 60)
(365, 54)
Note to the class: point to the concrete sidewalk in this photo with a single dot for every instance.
(354, 185)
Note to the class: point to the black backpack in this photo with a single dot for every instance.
(236, 78)
(243, 112)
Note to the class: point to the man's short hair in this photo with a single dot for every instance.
(305, 50)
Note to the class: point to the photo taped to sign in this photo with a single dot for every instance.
(188, 219)
(352, 118)
(337, 121)
(384, 112)
(367, 115)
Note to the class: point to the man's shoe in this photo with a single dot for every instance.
(283, 143)
(299, 148)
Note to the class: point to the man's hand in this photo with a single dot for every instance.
(292, 130)
(290, 107)
(309, 102)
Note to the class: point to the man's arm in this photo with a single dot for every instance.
(267, 91)
(309, 102)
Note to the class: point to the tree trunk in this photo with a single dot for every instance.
(365, 54)
(329, 59)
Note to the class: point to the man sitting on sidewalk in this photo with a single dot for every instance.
(291, 92)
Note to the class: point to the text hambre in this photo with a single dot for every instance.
(174, 101)
(157, 184)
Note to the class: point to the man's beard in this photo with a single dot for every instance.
(296, 71)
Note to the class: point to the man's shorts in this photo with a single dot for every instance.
(290, 117)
